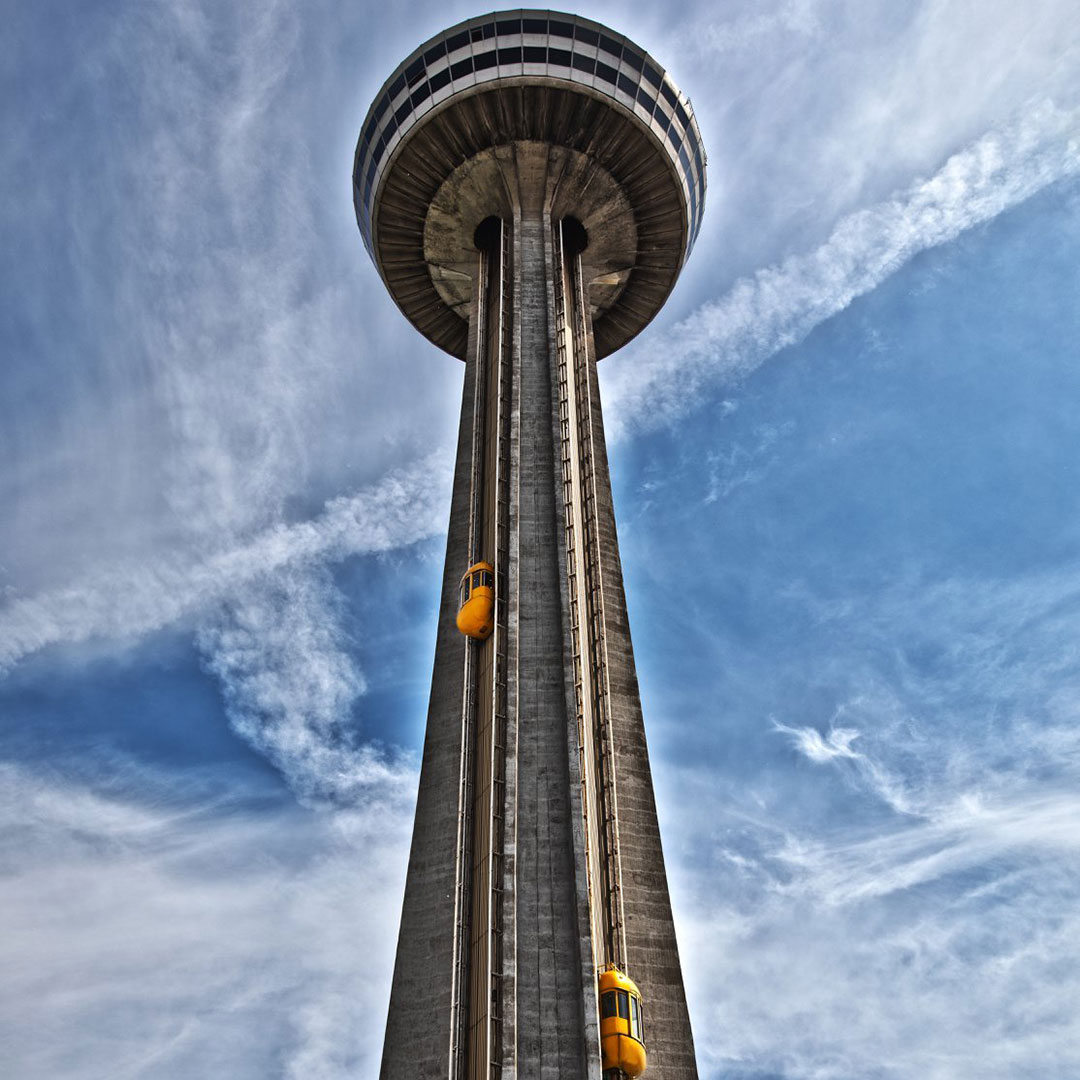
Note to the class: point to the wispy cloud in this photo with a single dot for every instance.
(162, 928)
(290, 682)
(943, 946)
(836, 743)
(126, 602)
(726, 339)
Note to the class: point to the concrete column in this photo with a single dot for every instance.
(534, 878)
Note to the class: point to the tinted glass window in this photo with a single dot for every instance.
(607, 1005)
(560, 57)
(534, 26)
(561, 29)
(610, 46)
(624, 1005)
(635, 1018)
(457, 41)
(605, 72)
(465, 590)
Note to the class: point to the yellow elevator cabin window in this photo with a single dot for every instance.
(476, 611)
(622, 1030)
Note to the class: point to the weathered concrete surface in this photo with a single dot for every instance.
(558, 117)
(652, 949)
(551, 1039)
(418, 1035)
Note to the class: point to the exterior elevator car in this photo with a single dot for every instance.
(622, 1027)
(476, 611)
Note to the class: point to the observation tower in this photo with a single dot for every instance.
(529, 185)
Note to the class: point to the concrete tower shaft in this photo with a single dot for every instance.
(529, 185)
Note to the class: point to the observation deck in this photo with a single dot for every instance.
(445, 137)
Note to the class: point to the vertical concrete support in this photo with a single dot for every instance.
(551, 1041)
(419, 1036)
(652, 954)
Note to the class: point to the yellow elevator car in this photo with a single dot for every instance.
(476, 615)
(622, 1029)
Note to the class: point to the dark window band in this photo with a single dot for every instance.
(684, 144)
(605, 72)
(610, 46)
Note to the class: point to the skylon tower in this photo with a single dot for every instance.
(529, 185)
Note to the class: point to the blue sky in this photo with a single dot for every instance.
(845, 470)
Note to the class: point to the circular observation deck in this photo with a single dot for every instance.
(495, 99)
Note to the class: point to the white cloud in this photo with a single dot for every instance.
(126, 602)
(161, 929)
(290, 683)
(726, 339)
(944, 947)
(836, 743)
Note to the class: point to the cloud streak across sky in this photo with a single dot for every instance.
(724, 340)
(127, 602)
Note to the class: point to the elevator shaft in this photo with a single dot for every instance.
(482, 897)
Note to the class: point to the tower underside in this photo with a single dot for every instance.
(536, 855)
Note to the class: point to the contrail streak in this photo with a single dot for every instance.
(778, 306)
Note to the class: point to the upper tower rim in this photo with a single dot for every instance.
(492, 54)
